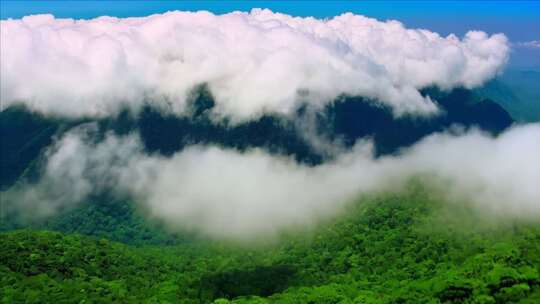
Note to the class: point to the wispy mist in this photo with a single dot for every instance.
(226, 193)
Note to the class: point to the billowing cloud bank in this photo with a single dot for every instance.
(225, 193)
(252, 62)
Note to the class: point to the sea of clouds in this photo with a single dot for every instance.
(255, 63)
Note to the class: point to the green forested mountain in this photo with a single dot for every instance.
(408, 247)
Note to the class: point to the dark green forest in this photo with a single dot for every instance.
(413, 246)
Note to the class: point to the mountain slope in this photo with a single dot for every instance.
(407, 248)
(23, 136)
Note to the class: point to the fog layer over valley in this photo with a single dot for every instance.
(227, 193)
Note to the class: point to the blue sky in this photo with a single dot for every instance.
(519, 20)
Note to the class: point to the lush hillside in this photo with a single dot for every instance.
(402, 248)
(116, 220)
(391, 248)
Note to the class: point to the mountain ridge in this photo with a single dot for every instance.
(343, 122)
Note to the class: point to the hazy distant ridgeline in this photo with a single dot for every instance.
(517, 91)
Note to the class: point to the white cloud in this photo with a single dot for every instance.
(225, 193)
(253, 62)
(530, 44)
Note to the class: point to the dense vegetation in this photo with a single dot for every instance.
(116, 220)
(392, 248)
